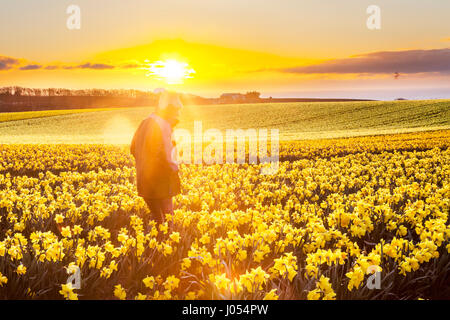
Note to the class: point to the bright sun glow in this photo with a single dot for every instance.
(171, 71)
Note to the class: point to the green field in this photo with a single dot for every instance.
(14, 116)
(295, 121)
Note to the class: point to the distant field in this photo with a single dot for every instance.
(295, 121)
(13, 116)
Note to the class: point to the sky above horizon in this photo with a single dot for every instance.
(280, 48)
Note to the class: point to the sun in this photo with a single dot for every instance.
(171, 71)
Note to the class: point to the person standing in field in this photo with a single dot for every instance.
(152, 147)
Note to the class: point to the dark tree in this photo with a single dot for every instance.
(252, 95)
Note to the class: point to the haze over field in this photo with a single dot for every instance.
(295, 121)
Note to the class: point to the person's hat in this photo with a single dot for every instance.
(169, 98)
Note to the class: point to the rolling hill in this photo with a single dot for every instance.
(295, 121)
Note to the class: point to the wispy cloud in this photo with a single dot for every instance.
(386, 62)
(51, 67)
(131, 66)
(96, 66)
(87, 65)
(31, 67)
(7, 63)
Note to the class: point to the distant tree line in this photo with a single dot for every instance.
(32, 99)
(62, 92)
(16, 98)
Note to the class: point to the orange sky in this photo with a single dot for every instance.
(276, 47)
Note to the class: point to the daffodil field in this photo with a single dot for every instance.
(336, 211)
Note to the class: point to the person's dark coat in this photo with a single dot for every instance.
(157, 177)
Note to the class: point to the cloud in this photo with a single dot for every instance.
(87, 65)
(97, 66)
(386, 62)
(7, 63)
(31, 67)
(51, 67)
(131, 66)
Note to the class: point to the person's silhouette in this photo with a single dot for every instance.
(152, 147)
